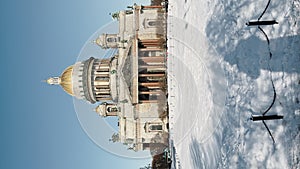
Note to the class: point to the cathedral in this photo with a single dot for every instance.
(130, 85)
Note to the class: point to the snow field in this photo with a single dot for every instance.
(220, 74)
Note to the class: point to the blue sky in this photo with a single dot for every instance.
(39, 126)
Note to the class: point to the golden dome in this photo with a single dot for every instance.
(66, 80)
(99, 41)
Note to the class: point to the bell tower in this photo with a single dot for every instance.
(108, 41)
(107, 109)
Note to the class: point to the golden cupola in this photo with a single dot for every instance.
(65, 80)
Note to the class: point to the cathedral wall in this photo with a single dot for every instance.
(152, 130)
(151, 24)
(126, 25)
(127, 129)
(148, 110)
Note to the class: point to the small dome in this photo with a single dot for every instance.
(66, 80)
(101, 109)
(101, 41)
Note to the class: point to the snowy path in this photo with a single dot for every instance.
(220, 74)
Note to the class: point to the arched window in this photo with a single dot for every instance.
(112, 109)
(155, 127)
(111, 40)
(152, 23)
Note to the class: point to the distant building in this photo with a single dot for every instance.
(132, 84)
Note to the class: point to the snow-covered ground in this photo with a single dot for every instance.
(221, 73)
